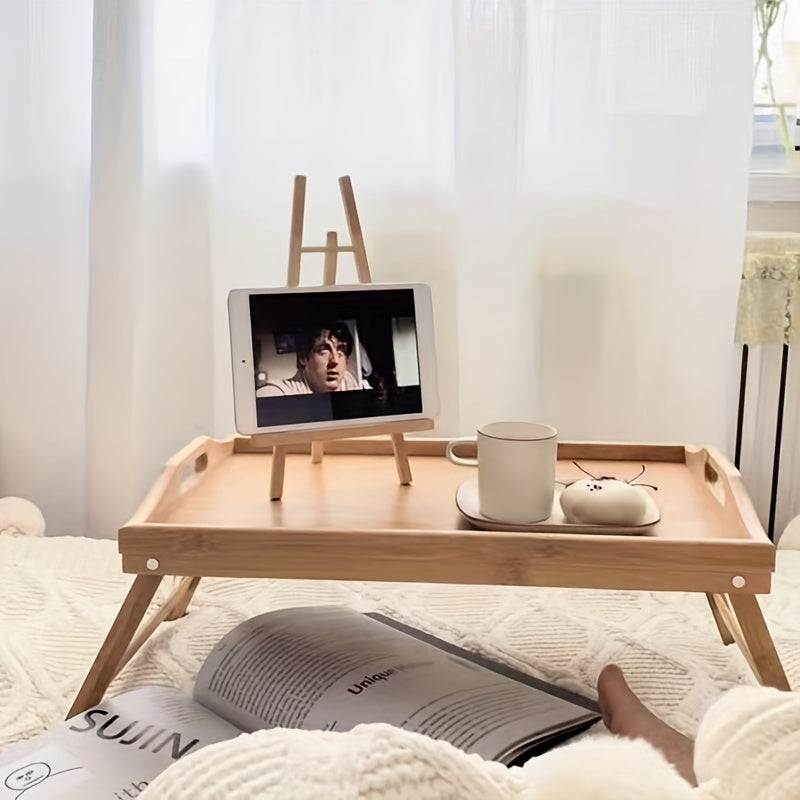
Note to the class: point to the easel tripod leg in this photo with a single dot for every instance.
(401, 458)
(277, 470)
(354, 228)
(296, 232)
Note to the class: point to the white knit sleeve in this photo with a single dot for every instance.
(371, 762)
(750, 741)
(380, 762)
(604, 767)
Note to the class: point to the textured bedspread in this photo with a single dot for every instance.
(59, 595)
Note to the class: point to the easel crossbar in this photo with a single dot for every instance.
(323, 249)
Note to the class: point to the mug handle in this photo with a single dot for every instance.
(467, 462)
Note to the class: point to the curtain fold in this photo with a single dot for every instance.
(569, 177)
(45, 102)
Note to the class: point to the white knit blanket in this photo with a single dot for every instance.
(59, 595)
(748, 748)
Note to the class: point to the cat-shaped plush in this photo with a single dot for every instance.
(603, 501)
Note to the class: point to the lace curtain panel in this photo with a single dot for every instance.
(769, 295)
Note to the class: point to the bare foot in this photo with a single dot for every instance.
(626, 715)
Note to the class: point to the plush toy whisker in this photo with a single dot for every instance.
(631, 482)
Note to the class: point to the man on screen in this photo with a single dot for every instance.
(322, 354)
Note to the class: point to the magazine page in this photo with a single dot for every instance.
(331, 668)
(111, 751)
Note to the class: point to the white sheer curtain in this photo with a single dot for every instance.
(570, 177)
(45, 123)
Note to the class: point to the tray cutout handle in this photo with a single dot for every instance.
(191, 472)
(713, 482)
(181, 473)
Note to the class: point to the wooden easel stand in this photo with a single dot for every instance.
(331, 249)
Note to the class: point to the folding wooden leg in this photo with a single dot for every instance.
(739, 619)
(722, 616)
(756, 643)
(108, 661)
(181, 597)
(174, 607)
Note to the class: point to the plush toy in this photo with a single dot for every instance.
(20, 516)
(604, 501)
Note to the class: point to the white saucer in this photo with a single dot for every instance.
(467, 504)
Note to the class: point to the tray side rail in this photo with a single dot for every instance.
(180, 474)
(467, 557)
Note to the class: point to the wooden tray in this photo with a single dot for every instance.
(348, 518)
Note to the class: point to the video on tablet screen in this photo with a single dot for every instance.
(325, 356)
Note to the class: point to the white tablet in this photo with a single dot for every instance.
(311, 358)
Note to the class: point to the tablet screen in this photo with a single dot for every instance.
(335, 356)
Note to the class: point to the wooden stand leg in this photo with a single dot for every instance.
(328, 279)
(108, 660)
(182, 597)
(722, 615)
(173, 608)
(296, 232)
(276, 476)
(331, 255)
(354, 228)
(331, 250)
(756, 642)
(401, 458)
(739, 619)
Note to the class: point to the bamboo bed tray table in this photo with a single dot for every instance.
(348, 518)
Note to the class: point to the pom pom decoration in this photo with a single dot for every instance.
(21, 517)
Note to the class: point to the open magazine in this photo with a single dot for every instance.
(316, 668)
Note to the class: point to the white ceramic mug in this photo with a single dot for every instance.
(516, 470)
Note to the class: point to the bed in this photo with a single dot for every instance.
(59, 596)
